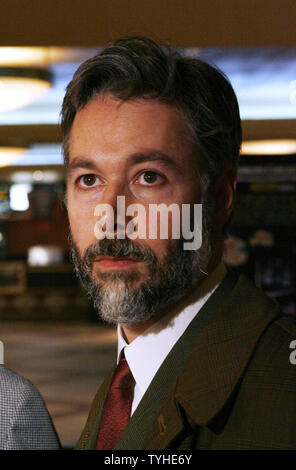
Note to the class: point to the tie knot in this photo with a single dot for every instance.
(123, 378)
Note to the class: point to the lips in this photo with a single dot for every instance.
(112, 258)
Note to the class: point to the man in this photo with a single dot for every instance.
(25, 423)
(203, 356)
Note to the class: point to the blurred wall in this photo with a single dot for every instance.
(182, 22)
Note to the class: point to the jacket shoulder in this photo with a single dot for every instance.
(266, 401)
(24, 420)
(273, 351)
(13, 381)
(288, 324)
(15, 387)
(239, 385)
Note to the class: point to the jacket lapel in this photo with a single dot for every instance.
(89, 434)
(216, 365)
(142, 420)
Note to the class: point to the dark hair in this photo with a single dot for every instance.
(137, 67)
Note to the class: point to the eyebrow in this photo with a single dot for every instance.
(79, 162)
(154, 155)
(140, 157)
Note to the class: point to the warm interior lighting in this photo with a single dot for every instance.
(269, 147)
(43, 56)
(18, 195)
(44, 255)
(48, 176)
(20, 86)
(23, 55)
(10, 155)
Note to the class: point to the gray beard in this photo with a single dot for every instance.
(115, 296)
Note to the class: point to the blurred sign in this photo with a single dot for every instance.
(45, 255)
(12, 278)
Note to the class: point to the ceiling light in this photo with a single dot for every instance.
(10, 155)
(269, 147)
(20, 86)
(18, 197)
(38, 175)
(48, 177)
(43, 56)
(23, 56)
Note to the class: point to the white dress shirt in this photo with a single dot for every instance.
(146, 353)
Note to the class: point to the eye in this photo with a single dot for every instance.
(148, 178)
(89, 181)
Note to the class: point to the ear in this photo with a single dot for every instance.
(223, 195)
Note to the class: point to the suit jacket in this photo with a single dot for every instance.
(24, 420)
(228, 382)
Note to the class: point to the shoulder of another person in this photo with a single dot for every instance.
(24, 419)
(13, 383)
(19, 395)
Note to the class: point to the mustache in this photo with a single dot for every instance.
(118, 248)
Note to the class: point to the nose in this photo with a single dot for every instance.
(112, 190)
(117, 196)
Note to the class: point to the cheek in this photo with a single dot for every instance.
(82, 223)
(155, 195)
(159, 247)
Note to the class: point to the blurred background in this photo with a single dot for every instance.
(50, 332)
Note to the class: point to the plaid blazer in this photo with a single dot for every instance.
(228, 383)
(24, 420)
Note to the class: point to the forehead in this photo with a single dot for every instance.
(109, 124)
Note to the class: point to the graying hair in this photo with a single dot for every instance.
(137, 67)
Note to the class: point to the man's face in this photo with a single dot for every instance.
(142, 150)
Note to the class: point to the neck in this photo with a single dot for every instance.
(131, 332)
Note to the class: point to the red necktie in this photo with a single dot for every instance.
(117, 407)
